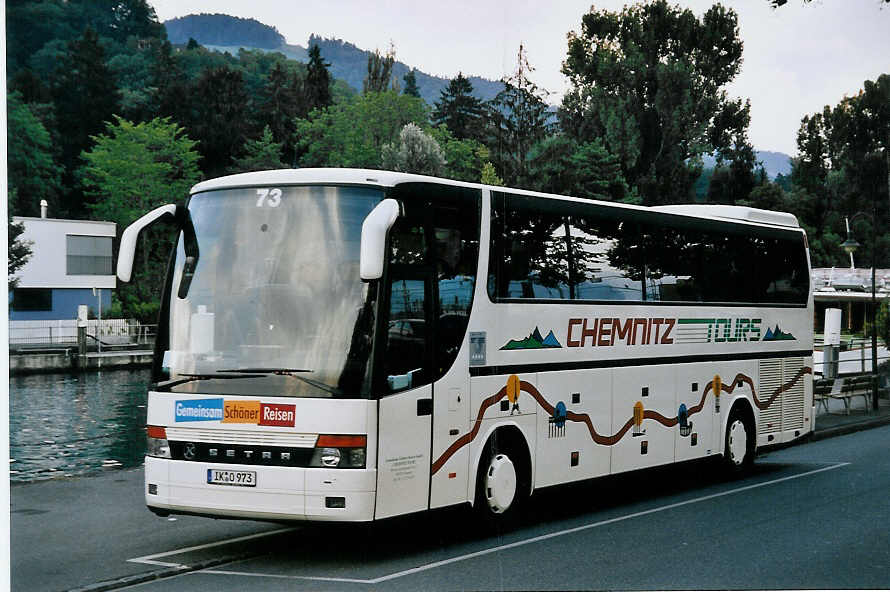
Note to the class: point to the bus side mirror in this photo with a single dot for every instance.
(374, 229)
(127, 251)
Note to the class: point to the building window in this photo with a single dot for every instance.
(32, 299)
(89, 255)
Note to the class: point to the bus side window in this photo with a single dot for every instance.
(406, 357)
(457, 254)
(406, 360)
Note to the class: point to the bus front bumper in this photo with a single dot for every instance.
(280, 493)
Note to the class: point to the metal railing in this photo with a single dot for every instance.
(108, 332)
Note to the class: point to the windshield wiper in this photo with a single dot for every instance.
(281, 371)
(193, 377)
(294, 372)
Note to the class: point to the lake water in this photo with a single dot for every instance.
(76, 424)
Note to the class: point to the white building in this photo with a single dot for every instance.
(70, 263)
(848, 289)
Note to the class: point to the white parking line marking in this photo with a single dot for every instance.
(150, 559)
(537, 539)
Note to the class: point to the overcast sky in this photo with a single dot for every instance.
(797, 58)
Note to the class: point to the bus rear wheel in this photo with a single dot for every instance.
(738, 445)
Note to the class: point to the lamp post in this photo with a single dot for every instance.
(98, 293)
(849, 246)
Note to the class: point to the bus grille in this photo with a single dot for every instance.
(252, 438)
(210, 452)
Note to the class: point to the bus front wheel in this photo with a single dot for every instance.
(501, 481)
(738, 445)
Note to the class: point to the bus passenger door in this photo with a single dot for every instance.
(406, 396)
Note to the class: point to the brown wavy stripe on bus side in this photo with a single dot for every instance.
(616, 437)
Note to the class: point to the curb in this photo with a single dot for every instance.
(849, 428)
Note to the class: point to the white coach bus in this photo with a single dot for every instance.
(352, 345)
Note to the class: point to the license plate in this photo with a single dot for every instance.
(223, 477)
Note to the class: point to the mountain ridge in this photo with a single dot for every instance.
(348, 61)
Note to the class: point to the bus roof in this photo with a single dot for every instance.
(333, 176)
(732, 212)
(378, 178)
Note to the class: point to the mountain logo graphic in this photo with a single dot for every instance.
(777, 335)
(534, 341)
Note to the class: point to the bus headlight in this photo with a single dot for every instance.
(342, 452)
(330, 457)
(157, 442)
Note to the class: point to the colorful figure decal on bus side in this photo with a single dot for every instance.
(514, 386)
(558, 421)
(638, 419)
(513, 390)
(716, 387)
(683, 418)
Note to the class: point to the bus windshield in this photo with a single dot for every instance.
(271, 295)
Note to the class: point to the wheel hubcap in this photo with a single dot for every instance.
(500, 484)
(738, 442)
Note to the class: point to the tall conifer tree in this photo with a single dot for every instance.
(318, 81)
(411, 84)
(85, 96)
(459, 110)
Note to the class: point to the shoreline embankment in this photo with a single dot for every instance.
(68, 360)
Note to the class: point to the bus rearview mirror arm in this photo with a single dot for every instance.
(127, 251)
(373, 243)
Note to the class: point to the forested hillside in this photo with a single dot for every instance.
(347, 62)
(222, 29)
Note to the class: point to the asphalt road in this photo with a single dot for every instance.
(811, 516)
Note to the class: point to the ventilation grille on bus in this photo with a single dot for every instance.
(770, 382)
(792, 399)
(246, 437)
(786, 411)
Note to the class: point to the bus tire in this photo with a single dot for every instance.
(502, 479)
(739, 441)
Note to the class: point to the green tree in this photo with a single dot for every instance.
(519, 119)
(464, 159)
(133, 68)
(169, 85)
(30, 25)
(882, 321)
(411, 84)
(32, 172)
(842, 169)
(459, 110)
(560, 165)
(650, 82)
(131, 169)
(262, 154)
(379, 75)
(18, 253)
(490, 176)
(318, 81)
(85, 95)
(281, 104)
(352, 133)
(415, 152)
(769, 196)
(219, 120)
